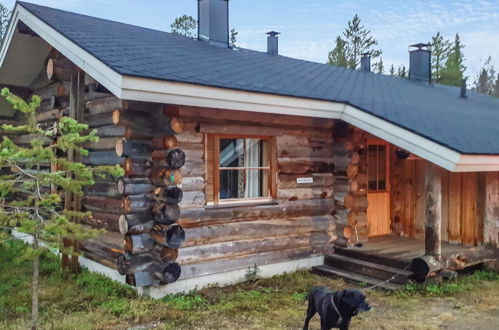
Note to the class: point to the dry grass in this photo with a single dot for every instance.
(90, 301)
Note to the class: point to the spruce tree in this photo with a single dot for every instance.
(495, 91)
(485, 81)
(379, 67)
(453, 71)
(184, 26)
(338, 55)
(233, 37)
(29, 202)
(355, 41)
(401, 72)
(392, 70)
(440, 48)
(4, 21)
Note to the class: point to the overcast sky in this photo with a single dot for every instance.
(309, 27)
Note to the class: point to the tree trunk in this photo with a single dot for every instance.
(433, 211)
(35, 285)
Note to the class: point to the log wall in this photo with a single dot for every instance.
(350, 187)
(298, 224)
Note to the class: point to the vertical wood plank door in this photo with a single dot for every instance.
(378, 196)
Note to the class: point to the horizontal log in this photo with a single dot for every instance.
(322, 180)
(131, 118)
(169, 125)
(128, 132)
(108, 221)
(102, 105)
(304, 193)
(356, 202)
(134, 186)
(57, 89)
(133, 148)
(192, 184)
(127, 229)
(243, 262)
(165, 142)
(60, 69)
(258, 228)
(225, 250)
(141, 243)
(127, 221)
(137, 168)
(169, 194)
(192, 199)
(254, 117)
(137, 203)
(158, 274)
(324, 152)
(104, 144)
(97, 158)
(172, 236)
(164, 213)
(113, 205)
(127, 264)
(302, 166)
(41, 82)
(199, 217)
(107, 189)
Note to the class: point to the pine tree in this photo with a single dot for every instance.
(4, 21)
(453, 71)
(401, 72)
(233, 37)
(495, 92)
(440, 48)
(338, 55)
(185, 26)
(392, 70)
(28, 203)
(355, 41)
(484, 82)
(379, 67)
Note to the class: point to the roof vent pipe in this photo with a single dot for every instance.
(273, 43)
(420, 63)
(213, 22)
(365, 62)
(463, 89)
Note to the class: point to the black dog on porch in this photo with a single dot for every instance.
(335, 308)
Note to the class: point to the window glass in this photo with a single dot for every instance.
(377, 165)
(244, 168)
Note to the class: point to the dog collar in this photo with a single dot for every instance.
(340, 318)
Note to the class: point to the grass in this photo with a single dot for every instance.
(91, 301)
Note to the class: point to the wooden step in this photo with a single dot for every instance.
(335, 272)
(358, 253)
(367, 268)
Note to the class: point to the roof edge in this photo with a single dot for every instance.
(151, 90)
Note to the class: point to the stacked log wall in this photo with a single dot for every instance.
(298, 224)
(351, 184)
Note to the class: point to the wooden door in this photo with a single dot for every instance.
(378, 195)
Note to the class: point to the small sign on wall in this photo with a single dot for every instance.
(304, 180)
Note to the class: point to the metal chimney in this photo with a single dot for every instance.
(273, 43)
(420, 63)
(463, 95)
(213, 22)
(365, 62)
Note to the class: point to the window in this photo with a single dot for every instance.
(377, 166)
(243, 169)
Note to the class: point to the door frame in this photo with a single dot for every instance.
(388, 177)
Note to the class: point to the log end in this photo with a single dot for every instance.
(123, 224)
(177, 125)
(170, 142)
(175, 237)
(122, 264)
(120, 147)
(171, 272)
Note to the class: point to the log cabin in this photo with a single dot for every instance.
(237, 159)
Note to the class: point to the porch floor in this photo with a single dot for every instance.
(403, 248)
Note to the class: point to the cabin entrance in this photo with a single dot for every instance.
(378, 195)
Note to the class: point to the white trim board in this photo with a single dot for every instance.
(150, 90)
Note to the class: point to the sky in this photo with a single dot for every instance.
(309, 27)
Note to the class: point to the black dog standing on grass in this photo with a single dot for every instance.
(336, 309)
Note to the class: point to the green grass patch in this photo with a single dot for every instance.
(445, 288)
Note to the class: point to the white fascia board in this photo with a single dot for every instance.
(148, 90)
(477, 163)
(8, 36)
(84, 60)
(414, 143)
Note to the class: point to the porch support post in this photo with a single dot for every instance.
(433, 211)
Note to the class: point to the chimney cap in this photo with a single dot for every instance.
(273, 33)
(366, 54)
(420, 45)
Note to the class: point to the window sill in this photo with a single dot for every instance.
(241, 204)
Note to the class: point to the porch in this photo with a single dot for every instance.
(388, 258)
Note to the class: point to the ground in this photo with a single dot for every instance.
(89, 301)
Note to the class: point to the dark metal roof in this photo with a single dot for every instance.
(469, 126)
